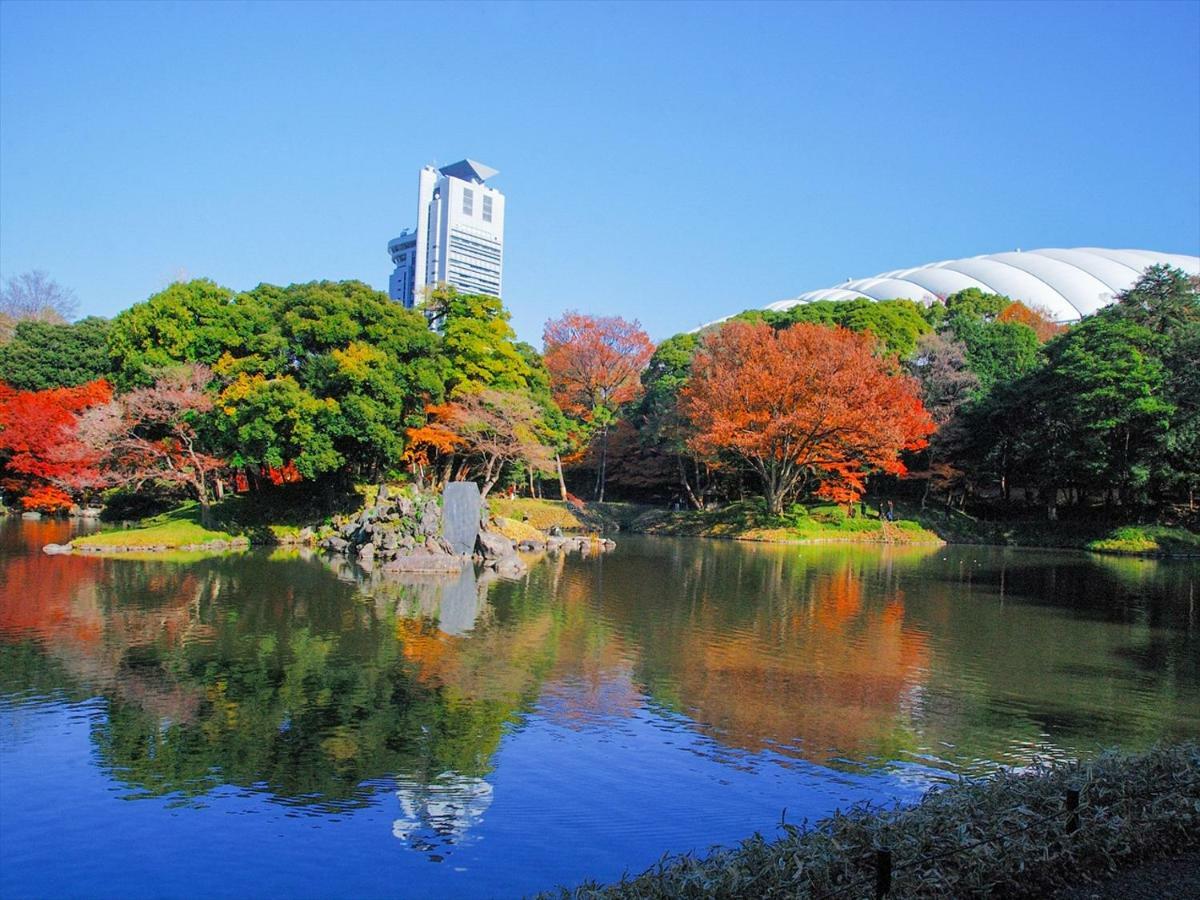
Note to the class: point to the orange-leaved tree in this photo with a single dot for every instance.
(1040, 319)
(802, 404)
(490, 429)
(594, 363)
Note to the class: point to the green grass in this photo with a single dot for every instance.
(545, 514)
(178, 528)
(1147, 539)
(271, 516)
(748, 520)
(811, 523)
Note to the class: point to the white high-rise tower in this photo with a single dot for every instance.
(459, 238)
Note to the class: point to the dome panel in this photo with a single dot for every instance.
(893, 289)
(1018, 284)
(940, 282)
(1114, 274)
(1067, 280)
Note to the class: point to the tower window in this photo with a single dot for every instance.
(468, 201)
(487, 208)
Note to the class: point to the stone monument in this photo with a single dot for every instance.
(460, 515)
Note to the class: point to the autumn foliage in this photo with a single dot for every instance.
(801, 405)
(594, 361)
(1036, 317)
(37, 441)
(595, 364)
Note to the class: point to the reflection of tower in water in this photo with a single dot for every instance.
(441, 811)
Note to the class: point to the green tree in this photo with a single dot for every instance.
(45, 355)
(896, 323)
(973, 303)
(188, 322)
(997, 352)
(273, 421)
(478, 342)
(379, 361)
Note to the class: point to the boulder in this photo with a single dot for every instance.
(336, 544)
(431, 518)
(53, 549)
(491, 545)
(31, 515)
(366, 551)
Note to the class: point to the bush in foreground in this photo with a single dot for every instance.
(1004, 836)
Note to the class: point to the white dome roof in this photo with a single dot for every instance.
(1068, 283)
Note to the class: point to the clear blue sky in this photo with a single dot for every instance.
(671, 162)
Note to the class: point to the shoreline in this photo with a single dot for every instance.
(1043, 830)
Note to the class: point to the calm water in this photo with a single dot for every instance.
(278, 724)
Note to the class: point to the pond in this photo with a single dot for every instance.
(285, 723)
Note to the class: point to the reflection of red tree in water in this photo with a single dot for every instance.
(827, 677)
(57, 602)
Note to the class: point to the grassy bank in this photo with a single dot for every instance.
(601, 518)
(179, 528)
(1008, 836)
(274, 516)
(819, 523)
(748, 521)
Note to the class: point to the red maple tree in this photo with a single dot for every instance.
(594, 364)
(152, 434)
(804, 403)
(37, 441)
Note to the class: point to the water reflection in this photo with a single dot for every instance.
(321, 685)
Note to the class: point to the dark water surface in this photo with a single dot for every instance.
(277, 724)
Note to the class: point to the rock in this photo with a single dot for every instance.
(306, 536)
(382, 496)
(426, 562)
(510, 567)
(76, 511)
(431, 518)
(366, 551)
(491, 545)
(555, 531)
(531, 546)
(554, 544)
(336, 544)
(91, 512)
(54, 549)
(31, 515)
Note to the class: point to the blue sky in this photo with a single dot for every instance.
(672, 162)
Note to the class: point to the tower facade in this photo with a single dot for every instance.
(459, 237)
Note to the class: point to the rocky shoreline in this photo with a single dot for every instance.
(403, 534)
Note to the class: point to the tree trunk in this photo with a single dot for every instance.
(603, 461)
(686, 485)
(562, 484)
